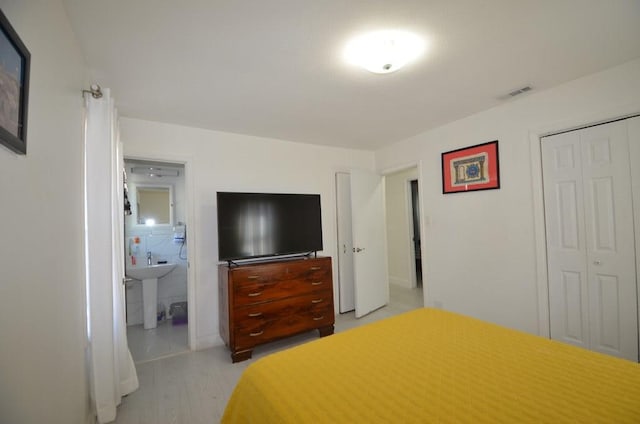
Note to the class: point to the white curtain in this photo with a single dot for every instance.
(111, 369)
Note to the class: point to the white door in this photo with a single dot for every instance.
(369, 242)
(590, 241)
(346, 284)
(566, 249)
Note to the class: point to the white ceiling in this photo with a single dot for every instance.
(273, 68)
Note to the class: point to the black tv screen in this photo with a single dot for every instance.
(253, 225)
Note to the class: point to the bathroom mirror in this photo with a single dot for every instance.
(154, 204)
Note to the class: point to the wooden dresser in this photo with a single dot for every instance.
(266, 301)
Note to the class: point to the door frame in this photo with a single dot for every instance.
(535, 149)
(412, 245)
(189, 185)
(338, 263)
(423, 219)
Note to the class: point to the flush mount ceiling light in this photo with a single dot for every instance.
(383, 52)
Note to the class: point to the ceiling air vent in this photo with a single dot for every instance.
(519, 91)
(515, 93)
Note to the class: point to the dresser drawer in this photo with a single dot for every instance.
(247, 294)
(308, 270)
(275, 323)
(269, 311)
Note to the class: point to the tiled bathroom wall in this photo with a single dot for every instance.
(172, 287)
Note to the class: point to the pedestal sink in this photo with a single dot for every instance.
(149, 275)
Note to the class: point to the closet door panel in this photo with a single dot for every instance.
(564, 213)
(607, 317)
(610, 240)
(572, 310)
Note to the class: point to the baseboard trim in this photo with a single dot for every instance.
(402, 282)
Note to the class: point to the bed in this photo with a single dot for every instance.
(433, 366)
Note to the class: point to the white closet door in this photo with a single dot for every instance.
(610, 240)
(566, 249)
(590, 242)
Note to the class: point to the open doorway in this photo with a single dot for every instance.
(417, 247)
(155, 234)
(402, 282)
(402, 207)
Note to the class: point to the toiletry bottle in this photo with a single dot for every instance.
(130, 251)
(136, 241)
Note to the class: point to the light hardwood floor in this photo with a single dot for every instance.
(194, 387)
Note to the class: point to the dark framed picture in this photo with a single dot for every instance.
(471, 168)
(14, 88)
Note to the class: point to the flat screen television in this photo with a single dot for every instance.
(258, 225)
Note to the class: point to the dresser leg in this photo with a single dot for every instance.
(242, 355)
(325, 331)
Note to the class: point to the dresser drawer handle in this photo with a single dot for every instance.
(253, 277)
(317, 300)
(318, 318)
(259, 333)
(315, 268)
(254, 294)
(255, 314)
(317, 283)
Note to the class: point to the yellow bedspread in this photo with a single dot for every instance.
(432, 366)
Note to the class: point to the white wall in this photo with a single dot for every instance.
(480, 249)
(218, 161)
(399, 227)
(42, 316)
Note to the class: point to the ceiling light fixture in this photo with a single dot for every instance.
(385, 51)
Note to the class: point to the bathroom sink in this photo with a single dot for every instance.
(149, 275)
(145, 272)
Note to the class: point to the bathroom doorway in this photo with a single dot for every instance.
(156, 234)
(402, 212)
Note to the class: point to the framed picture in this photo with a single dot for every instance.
(14, 88)
(471, 168)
